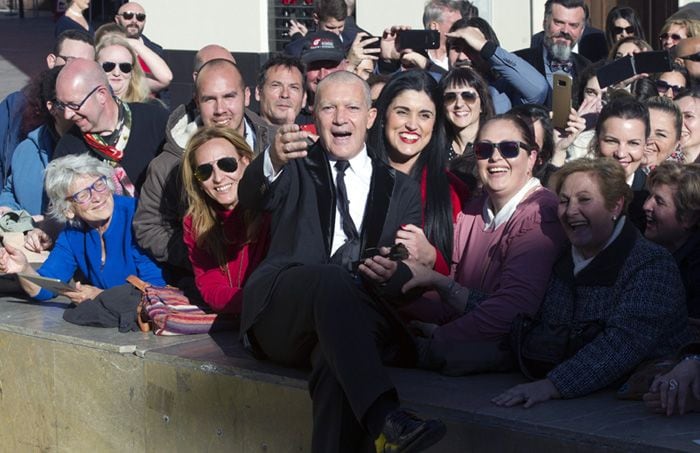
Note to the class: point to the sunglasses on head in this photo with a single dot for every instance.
(225, 164)
(508, 149)
(108, 66)
(662, 87)
(693, 57)
(618, 30)
(128, 15)
(467, 96)
(665, 36)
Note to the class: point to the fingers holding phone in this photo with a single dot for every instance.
(290, 143)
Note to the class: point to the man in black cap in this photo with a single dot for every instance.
(322, 54)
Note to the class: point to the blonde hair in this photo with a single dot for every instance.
(208, 232)
(137, 90)
(692, 26)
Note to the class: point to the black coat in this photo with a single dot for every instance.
(535, 56)
(302, 202)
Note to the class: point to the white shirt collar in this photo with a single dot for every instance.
(358, 163)
(493, 221)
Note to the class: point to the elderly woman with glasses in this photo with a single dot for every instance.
(225, 243)
(97, 239)
(505, 244)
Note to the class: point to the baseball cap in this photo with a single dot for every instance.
(322, 46)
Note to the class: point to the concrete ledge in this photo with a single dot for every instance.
(71, 388)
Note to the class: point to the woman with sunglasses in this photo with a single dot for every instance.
(224, 243)
(620, 288)
(622, 22)
(467, 103)
(506, 242)
(74, 18)
(674, 30)
(409, 135)
(97, 238)
(670, 83)
(664, 143)
(120, 63)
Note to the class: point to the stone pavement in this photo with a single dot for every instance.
(24, 44)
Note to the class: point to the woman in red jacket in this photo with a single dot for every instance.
(225, 244)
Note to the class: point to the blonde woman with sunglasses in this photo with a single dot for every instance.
(225, 244)
(120, 63)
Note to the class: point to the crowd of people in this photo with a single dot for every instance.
(385, 205)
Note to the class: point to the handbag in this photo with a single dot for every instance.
(540, 346)
(167, 311)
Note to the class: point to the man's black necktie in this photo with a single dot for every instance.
(342, 201)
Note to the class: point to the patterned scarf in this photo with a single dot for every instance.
(110, 148)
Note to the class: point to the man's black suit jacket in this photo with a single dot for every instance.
(535, 56)
(302, 203)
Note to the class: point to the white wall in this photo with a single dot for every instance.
(238, 25)
(242, 25)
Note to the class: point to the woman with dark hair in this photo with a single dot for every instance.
(44, 126)
(511, 79)
(409, 135)
(688, 101)
(622, 289)
(622, 133)
(224, 244)
(467, 104)
(671, 83)
(628, 46)
(622, 22)
(553, 144)
(506, 242)
(74, 18)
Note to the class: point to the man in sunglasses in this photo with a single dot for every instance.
(131, 17)
(313, 300)
(688, 54)
(127, 135)
(69, 45)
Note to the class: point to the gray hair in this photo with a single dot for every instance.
(61, 173)
(434, 10)
(344, 77)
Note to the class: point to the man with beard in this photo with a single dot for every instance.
(564, 22)
(131, 17)
(512, 80)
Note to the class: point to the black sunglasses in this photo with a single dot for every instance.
(128, 15)
(508, 149)
(673, 36)
(663, 86)
(692, 57)
(61, 106)
(467, 96)
(108, 66)
(617, 30)
(225, 164)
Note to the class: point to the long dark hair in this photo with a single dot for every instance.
(38, 92)
(622, 12)
(437, 210)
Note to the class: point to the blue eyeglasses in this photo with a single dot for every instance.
(85, 195)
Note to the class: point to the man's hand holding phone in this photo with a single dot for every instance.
(290, 143)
